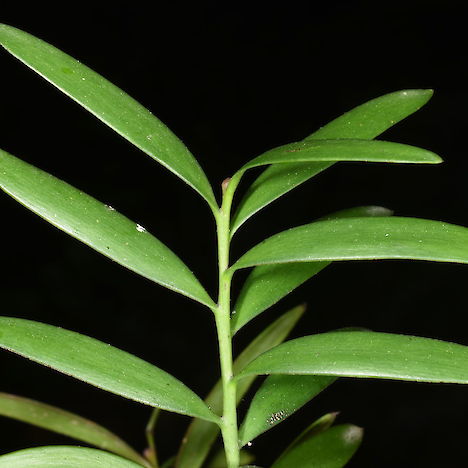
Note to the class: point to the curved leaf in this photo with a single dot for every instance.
(66, 423)
(319, 425)
(97, 225)
(109, 104)
(366, 121)
(344, 150)
(330, 449)
(267, 284)
(278, 397)
(362, 239)
(100, 365)
(64, 457)
(368, 355)
(201, 435)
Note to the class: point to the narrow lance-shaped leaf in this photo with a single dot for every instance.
(366, 121)
(109, 104)
(344, 150)
(64, 457)
(363, 239)
(201, 435)
(97, 225)
(330, 449)
(278, 397)
(267, 284)
(66, 423)
(100, 365)
(366, 354)
(319, 425)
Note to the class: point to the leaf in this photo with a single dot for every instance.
(362, 239)
(97, 225)
(200, 436)
(278, 397)
(330, 449)
(366, 121)
(267, 284)
(367, 355)
(110, 105)
(64, 457)
(66, 423)
(100, 365)
(318, 426)
(344, 150)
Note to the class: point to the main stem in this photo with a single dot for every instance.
(223, 324)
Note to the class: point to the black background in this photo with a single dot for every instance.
(233, 81)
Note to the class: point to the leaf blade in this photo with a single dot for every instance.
(366, 355)
(109, 104)
(267, 284)
(330, 449)
(362, 239)
(344, 150)
(97, 225)
(200, 435)
(279, 397)
(101, 365)
(366, 121)
(66, 423)
(64, 457)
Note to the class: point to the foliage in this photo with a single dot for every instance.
(297, 370)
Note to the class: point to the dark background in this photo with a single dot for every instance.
(233, 81)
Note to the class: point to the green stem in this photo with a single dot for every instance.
(152, 454)
(229, 427)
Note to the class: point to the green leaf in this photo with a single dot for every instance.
(97, 225)
(318, 426)
(330, 449)
(267, 284)
(278, 397)
(64, 457)
(344, 150)
(100, 365)
(362, 239)
(66, 423)
(366, 121)
(200, 435)
(110, 105)
(367, 355)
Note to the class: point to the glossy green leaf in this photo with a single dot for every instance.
(267, 284)
(66, 423)
(97, 225)
(109, 104)
(100, 365)
(278, 397)
(344, 150)
(366, 121)
(200, 436)
(366, 354)
(64, 457)
(330, 449)
(363, 239)
(318, 426)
